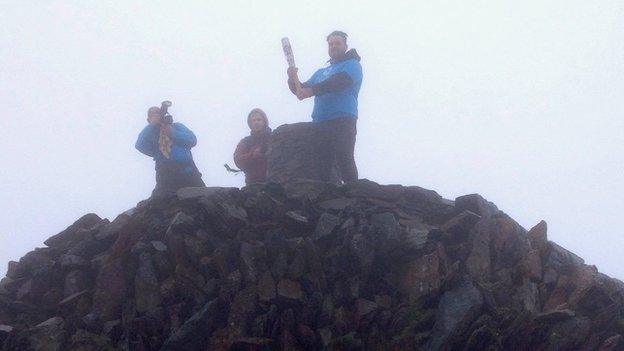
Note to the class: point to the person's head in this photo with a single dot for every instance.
(153, 115)
(337, 44)
(257, 120)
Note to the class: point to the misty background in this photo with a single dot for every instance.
(520, 102)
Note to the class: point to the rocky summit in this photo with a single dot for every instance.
(307, 265)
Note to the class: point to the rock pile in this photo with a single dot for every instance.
(308, 266)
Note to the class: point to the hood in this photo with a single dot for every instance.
(349, 55)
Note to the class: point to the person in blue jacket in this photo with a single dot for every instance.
(170, 145)
(335, 89)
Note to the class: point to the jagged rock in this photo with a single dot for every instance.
(73, 233)
(83, 340)
(325, 226)
(159, 246)
(555, 316)
(561, 259)
(16, 270)
(75, 281)
(509, 242)
(415, 237)
(364, 307)
(421, 277)
(110, 290)
(69, 261)
(479, 261)
(193, 333)
(49, 335)
(461, 224)
(289, 289)
(111, 231)
(292, 154)
(193, 193)
(613, 343)
(250, 253)
(308, 265)
(266, 287)
(477, 204)
(243, 307)
(146, 289)
(296, 216)
(539, 238)
(5, 330)
(39, 257)
(533, 265)
(458, 307)
(337, 204)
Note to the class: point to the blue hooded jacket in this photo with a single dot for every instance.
(336, 88)
(182, 138)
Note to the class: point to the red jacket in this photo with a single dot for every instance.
(250, 161)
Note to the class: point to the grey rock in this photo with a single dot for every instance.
(146, 288)
(325, 226)
(48, 335)
(69, 261)
(477, 204)
(460, 225)
(297, 217)
(193, 334)
(75, 281)
(73, 232)
(562, 259)
(110, 231)
(159, 246)
(337, 204)
(110, 290)
(457, 308)
(193, 193)
(266, 287)
(16, 270)
(289, 289)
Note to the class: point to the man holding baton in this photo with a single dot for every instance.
(335, 89)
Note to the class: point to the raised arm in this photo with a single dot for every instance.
(146, 142)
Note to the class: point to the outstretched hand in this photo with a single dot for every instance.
(292, 72)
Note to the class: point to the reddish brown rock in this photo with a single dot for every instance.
(421, 277)
(539, 238)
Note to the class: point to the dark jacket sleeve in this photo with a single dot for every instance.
(146, 142)
(243, 156)
(335, 83)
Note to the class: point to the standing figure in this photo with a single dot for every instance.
(335, 89)
(250, 155)
(170, 145)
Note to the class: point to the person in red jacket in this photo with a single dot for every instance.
(250, 154)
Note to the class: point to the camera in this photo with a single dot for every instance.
(165, 117)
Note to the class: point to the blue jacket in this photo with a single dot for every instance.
(182, 138)
(336, 88)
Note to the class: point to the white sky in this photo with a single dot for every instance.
(520, 102)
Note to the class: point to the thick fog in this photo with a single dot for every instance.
(521, 102)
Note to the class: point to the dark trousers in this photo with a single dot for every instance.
(336, 145)
(169, 180)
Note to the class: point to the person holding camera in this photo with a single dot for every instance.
(335, 89)
(250, 154)
(170, 145)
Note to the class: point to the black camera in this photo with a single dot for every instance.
(165, 117)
